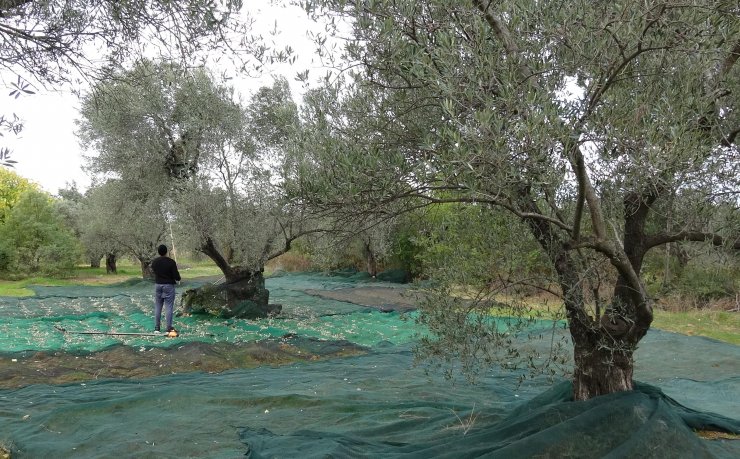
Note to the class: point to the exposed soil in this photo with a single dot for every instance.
(37, 367)
(401, 299)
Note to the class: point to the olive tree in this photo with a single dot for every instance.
(56, 41)
(53, 43)
(579, 118)
(177, 135)
(238, 208)
(119, 219)
(70, 205)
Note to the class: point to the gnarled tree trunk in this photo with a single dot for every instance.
(242, 295)
(370, 260)
(232, 274)
(601, 370)
(110, 264)
(146, 268)
(603, 347)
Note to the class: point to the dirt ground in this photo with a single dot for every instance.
(59, 367)
(386, 299)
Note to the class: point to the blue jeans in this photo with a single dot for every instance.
(164, 294)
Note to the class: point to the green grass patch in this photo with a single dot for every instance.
(19, 288)
(712, 323)
(190, 271)
(8, 289)
(719, 325)
(125, 270)
(85, 275)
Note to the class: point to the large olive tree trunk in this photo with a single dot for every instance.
(604, 344)
(241, 295)
(601, 371)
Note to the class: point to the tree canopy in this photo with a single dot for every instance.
(35, 239)
(12, 186)
(579, 118)
(56, 41)
(53, 43)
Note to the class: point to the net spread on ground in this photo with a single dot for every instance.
(331, 376)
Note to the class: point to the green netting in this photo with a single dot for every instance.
(327, 379)
(30, 323)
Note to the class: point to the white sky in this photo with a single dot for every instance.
(47, 149)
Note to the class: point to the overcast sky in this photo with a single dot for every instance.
(48, 151)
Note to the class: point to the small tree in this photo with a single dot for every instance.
(70, 205)
(361, 243)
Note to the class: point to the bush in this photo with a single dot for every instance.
(706, 285)
(36, 240)
(291, 262)
(59, 257)
(7, 256)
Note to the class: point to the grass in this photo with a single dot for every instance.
(199, 269)
(720, 325)
(711, 322)
(21, 287)
(713, 435)
(466, 424)
(85, 275)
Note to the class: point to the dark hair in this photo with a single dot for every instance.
(162, 249)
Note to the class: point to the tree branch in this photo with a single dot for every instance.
(589, 193)
(578, 215)
(289, 240)
(730, 138)
(731, 59)
(693, 236)
(497, 203)
(498, 27)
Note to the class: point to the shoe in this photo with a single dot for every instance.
(156, 330)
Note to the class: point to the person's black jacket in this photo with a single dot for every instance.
(165, 270)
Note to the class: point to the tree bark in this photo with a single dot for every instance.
(110, 264)
(601, 370)
(371, 262)
(602, 354)
(146, 268)
(232, 274)
(629, 299)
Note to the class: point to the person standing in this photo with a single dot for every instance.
(165, 278)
